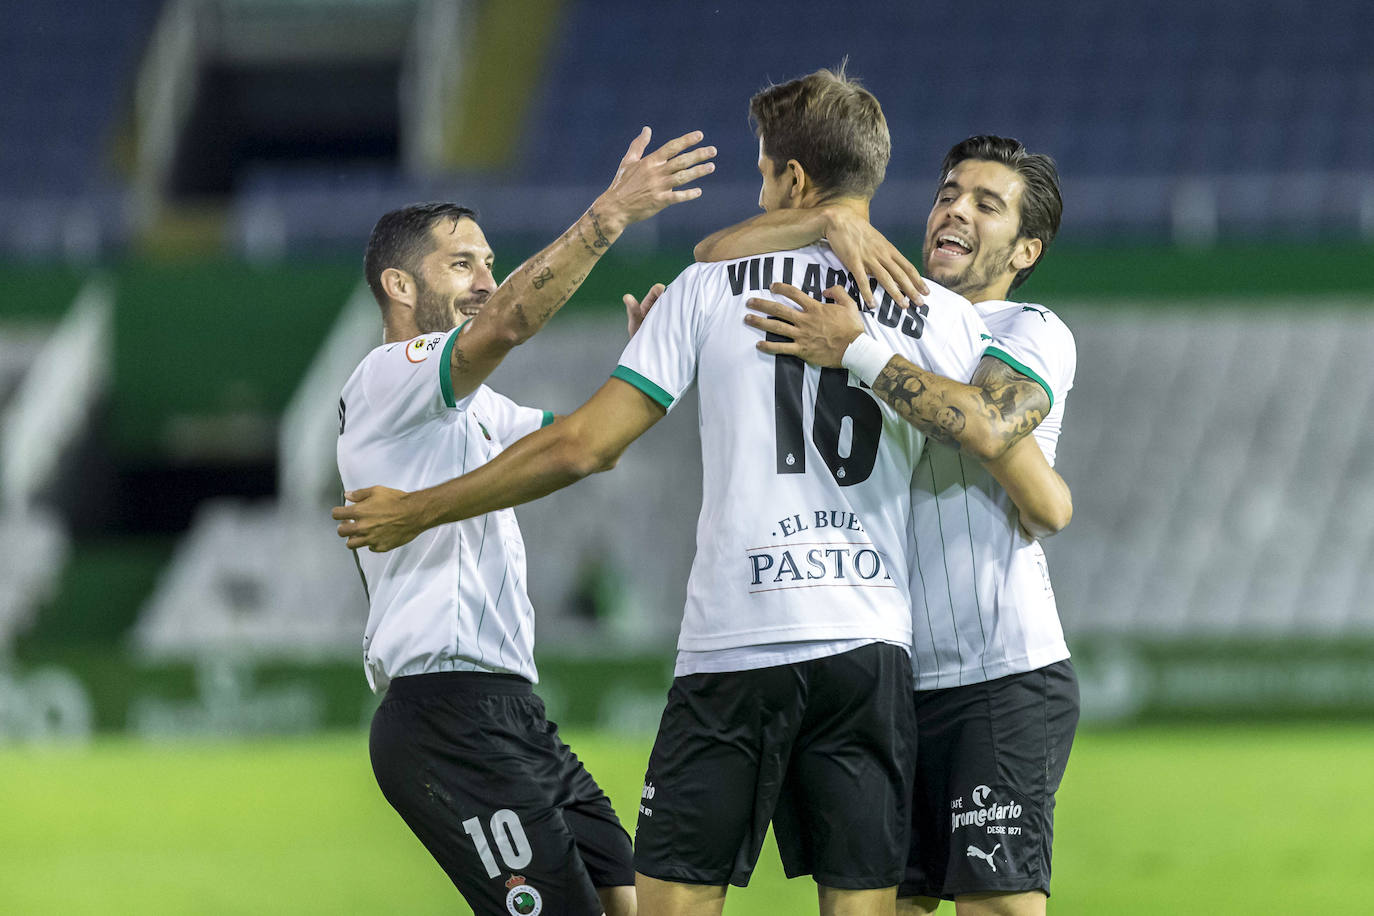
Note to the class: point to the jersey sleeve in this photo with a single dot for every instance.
(661, 359)
(409, 383)
(513, 421)
(972, 344)
(1040, 346)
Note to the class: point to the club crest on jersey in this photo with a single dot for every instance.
(417, 351)
(521, 899)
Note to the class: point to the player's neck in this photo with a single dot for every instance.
(396, 328)
(996, 292)
(856, 205)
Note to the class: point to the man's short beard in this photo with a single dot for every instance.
(976, 278)
(434, 314)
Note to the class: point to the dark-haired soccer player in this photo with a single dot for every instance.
(460, 745)
(791, 700)
(996, 697)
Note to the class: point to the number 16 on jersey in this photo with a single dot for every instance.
(846, 425)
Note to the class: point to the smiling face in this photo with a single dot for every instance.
(454, 280)
(972, 244)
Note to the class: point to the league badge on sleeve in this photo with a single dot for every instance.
(418, 350)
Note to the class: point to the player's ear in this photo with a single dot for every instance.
(1026, 252)
(798, 183)
(398, 285)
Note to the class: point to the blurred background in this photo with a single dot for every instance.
(186, 187)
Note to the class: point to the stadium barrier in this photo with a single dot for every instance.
(1123, 682)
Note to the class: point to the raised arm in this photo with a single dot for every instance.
(1039, 493)
(590, 439)
(862, 249)
(983, 418)
(530, 296)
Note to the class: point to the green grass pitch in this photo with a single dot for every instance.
(1206, 820)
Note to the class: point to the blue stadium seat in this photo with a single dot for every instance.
(68, 70)
(1134, 84)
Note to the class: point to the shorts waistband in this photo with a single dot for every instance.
(458, 683)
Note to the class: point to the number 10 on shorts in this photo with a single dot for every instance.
(510, 841)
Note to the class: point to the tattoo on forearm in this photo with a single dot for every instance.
(600, 243)
(587, 245)
(1007, 401)
(573, 285)
(544, 276)
(518, 310)
(916, 403)
(458, 361)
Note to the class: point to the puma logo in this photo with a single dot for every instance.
(986, 856)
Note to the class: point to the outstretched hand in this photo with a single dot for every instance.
(644, 185)
(637, 310)
(376, 518)
(818, 332)
(865, 252)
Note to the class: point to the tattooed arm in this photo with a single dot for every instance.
(987, 419)
(983, 418)
(643, 186)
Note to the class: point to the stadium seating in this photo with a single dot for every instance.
(70, 66)
(1147, 94)
(1168, 118)
(1158, 87)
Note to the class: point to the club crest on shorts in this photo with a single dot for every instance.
(521, 899)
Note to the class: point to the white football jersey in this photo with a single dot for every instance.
(982, 604)
(806, 475)
(454, 598)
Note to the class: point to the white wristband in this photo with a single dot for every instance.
(866, 357)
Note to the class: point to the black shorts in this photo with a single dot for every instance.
(506, 808)
(992, 757)
(823, 748)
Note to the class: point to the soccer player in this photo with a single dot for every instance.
(460, 745)
(996, 696)
(783, 704)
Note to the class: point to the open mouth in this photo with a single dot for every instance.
(950, 245)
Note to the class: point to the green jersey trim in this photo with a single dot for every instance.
(664, 399)
(446, 367)
(1021, 368)
(547, 419)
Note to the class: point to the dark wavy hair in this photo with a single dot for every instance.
(401, 239)
(1042, 206)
